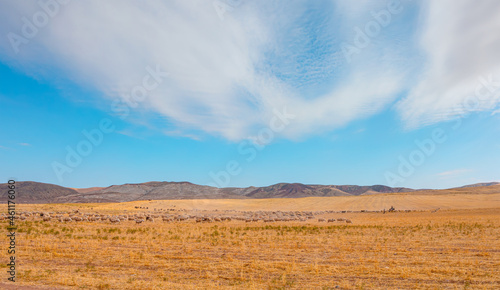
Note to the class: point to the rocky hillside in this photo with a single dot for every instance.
(35, 192)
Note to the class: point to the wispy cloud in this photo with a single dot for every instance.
(462, 46)
(453, 173)
(24, 144)
(227, 77)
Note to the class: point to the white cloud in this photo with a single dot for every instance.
(221, 81)
(227, 77)
(453, 173)
(462, 45)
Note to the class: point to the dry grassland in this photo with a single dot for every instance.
(406, 201)
(448, 249)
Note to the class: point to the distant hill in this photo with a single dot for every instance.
(294, 190)
(89, 189)
(480, 184)
(35, 192)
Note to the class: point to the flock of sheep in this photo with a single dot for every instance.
(139, 217)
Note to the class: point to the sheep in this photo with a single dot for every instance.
(321, 220)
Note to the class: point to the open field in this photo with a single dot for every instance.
(456, 247)
(406, 201)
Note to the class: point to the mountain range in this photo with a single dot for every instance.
(36, 192)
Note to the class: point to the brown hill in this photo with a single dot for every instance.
(89, 189)
(37, 192)
(480, 184)
(154, 191)
(488, 189)
(34, 192)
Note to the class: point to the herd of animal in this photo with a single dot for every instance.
(198, 217)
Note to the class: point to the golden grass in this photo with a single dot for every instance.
(454, 249)
(352, 203)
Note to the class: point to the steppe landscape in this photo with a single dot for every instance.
(431, 240)
(232, 144)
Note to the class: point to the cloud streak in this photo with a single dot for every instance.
(453, 173)
(462, 49)
(227, 77)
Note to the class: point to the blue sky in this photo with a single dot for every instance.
(242, 93)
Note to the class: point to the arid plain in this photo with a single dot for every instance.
(433, 240)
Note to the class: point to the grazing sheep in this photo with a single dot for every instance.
(321, 220)
(67, 219)
(348, 221)
(138, 221)
(331, 220)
